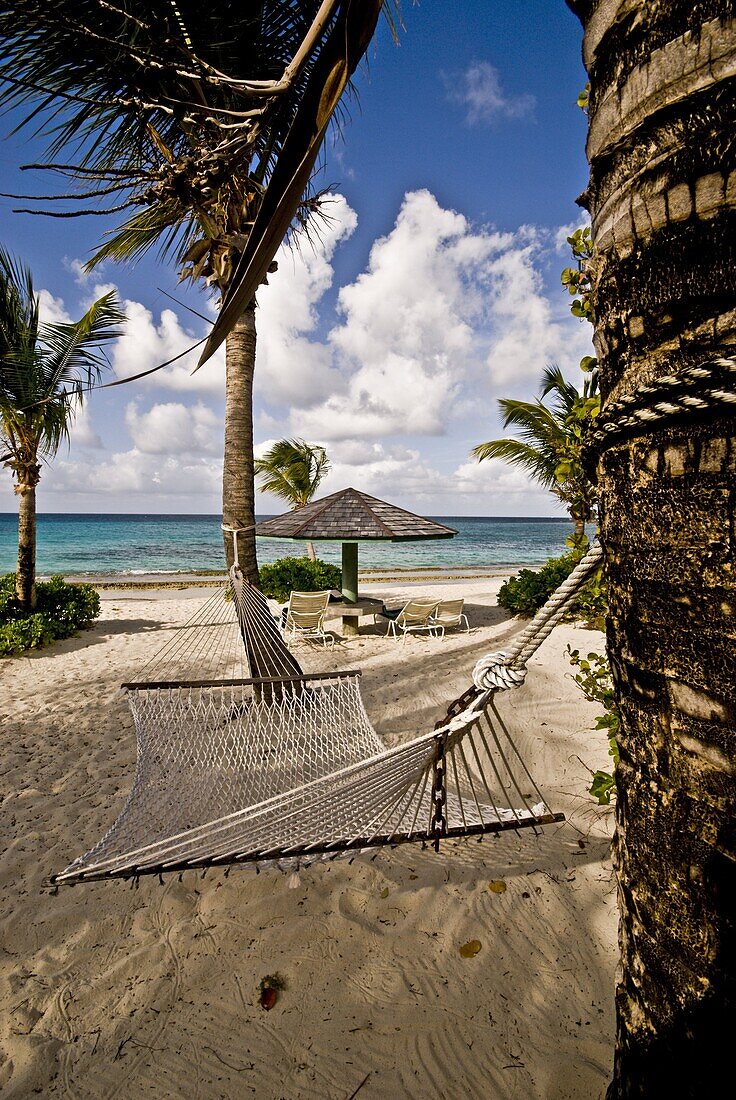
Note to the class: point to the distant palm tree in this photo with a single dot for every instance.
(552, 436)
(292, 470)
(45, 370)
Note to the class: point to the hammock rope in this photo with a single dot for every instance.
(234, 766)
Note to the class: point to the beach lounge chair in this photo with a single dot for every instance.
(304, 617)
(449, 614)
(413, 616)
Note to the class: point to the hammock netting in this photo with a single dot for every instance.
(284, 768)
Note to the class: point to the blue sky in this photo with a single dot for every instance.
(435, 289)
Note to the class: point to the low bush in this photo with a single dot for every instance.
(61, 610)
(298, 575)
(530, 589)
(526, 592)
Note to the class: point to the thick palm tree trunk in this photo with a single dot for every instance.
(25, 575)
(662, 196)
(238, 493)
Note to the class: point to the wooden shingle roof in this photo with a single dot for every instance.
(349, 515)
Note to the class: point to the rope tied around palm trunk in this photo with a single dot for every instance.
(706, 389)
(698, 392)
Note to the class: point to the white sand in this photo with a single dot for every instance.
(111, 992)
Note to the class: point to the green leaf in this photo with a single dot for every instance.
(602, 787)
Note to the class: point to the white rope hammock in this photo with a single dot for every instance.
(287, 768)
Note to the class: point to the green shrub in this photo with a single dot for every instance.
(298, 575)
(530, 589)
(61, 610)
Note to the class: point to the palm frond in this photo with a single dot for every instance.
(292, 470)
(71, 351)
(45, 369)
(554, 382)
(540, 465)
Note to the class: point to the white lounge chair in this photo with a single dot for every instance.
(414, 616)
(304, 617)
(448, 614)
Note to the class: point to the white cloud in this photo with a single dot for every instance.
(445, 317)
(147, 342)
(565, 231)
(495, 488)
(134, 476)
(527, 331)
(76, 268)
(291, 366)
(408, 327)
(51, 310)
(81, 433)
(479, 90)
(445, 314)
(175, 429)
(391, 472)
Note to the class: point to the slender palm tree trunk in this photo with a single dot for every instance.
(25, 575)
(311, 552)
(238, 493)
(662, 196)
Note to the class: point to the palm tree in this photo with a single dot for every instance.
(552, 437)
(201, 123)
(292, 470)
(661, 117)
(45, 370)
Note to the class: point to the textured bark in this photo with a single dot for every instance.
(238, 494)
(662, 197)
(25, 574)
(311, 552)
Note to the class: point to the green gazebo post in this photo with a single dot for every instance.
(350, 572)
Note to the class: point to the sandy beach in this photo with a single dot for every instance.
(109, 991)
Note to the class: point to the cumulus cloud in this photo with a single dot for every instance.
(51, 310)
(135, 477)
(148, 341)
(175, 429)
(444, 312)
(445, 317)
(407, 328)
(527, 332)
(479, 90)
(292, 366)
(81, 432)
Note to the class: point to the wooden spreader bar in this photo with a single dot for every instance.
(255, 680)
(275, 854)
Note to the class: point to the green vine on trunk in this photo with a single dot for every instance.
(595, 681)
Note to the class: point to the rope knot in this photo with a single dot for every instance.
(493, 672)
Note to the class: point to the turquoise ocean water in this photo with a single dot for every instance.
(69, 543)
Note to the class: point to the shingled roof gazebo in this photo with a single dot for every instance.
(351, 517)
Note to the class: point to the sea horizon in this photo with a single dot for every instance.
(139, 543)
